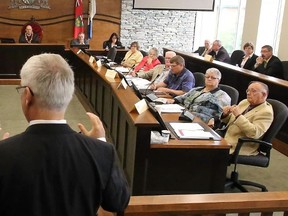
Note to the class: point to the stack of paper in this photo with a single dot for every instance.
(170, 108)
(190, 131)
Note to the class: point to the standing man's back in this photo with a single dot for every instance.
(49, 169)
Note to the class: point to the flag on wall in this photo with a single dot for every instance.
(79, 25)
(91, 14)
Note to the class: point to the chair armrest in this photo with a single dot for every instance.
(264, 147)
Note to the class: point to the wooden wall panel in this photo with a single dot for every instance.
(58, 22)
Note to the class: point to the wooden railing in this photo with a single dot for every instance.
(208, 204)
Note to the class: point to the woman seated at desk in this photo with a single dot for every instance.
(112, 42)
(205, 102)
(133, 56)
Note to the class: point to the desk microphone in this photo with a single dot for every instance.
(145, 93)
(132, 68)
(85, 51)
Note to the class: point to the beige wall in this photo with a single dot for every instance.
(251, 22)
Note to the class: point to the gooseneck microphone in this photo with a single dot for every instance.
(145, 93)
(131, 69)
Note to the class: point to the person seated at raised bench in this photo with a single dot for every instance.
(29, 36)
(179, 80)
(112, 42)
(249, 59)
(206, 102)
(269, 64)
(218, 52)
(203, 50)
(80, 40)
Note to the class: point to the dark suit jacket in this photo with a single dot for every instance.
(249, 64)
(52, 170)
(273, 68)
(35, 38)
(222, 55)
(200, 50)
(108, 44)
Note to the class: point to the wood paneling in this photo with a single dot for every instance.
(58, 22)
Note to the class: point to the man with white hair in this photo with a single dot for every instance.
(219, 53)
(49, 169)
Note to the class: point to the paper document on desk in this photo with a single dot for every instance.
(122, 69)
(170, 108)
(190, 131)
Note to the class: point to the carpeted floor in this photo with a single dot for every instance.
(13, 121)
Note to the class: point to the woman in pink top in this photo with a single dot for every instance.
(148, 62)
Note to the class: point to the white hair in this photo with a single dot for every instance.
(51, 80)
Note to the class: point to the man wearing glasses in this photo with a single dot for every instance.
(269, 64)
(179, 80)
(49, 169)
(251, 118)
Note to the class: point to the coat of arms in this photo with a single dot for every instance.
(29, 4)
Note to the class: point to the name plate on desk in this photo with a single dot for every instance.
(98, 63)
(208, 58)
(141, 106)
(123, 83)
(91, 60)
(111, 73)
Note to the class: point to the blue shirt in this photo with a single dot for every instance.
(183, 81)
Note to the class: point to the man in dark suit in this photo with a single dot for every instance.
(29, 36)
(269, 64)
(80, 40)
(203, 50)
(219, 53)
(49, 169)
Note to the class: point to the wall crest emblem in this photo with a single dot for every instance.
(29, 4)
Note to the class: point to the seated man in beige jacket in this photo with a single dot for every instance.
(251, 118)
(159, 72)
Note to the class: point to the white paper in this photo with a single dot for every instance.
(170, 108)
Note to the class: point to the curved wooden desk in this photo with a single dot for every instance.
(181, 166)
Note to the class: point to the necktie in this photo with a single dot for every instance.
(265, 64)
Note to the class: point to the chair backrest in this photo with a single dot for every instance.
(112, 54)
(236, 56)
(231, 91)
(285, 69)
(35, 26)
(280, 115)
(199, 79)
(161, 59)
(144, 53)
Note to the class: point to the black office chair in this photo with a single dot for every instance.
(111, 54)
(161, 59)
(231, 91)
(144, 53)
(236, 56)
(285, 69)
(199, 79)
(263, 158)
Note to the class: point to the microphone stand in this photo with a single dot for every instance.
(145, 93)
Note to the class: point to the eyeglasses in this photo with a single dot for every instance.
(173, 65)
(20, 89)
(211, 77)
(253, 91)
